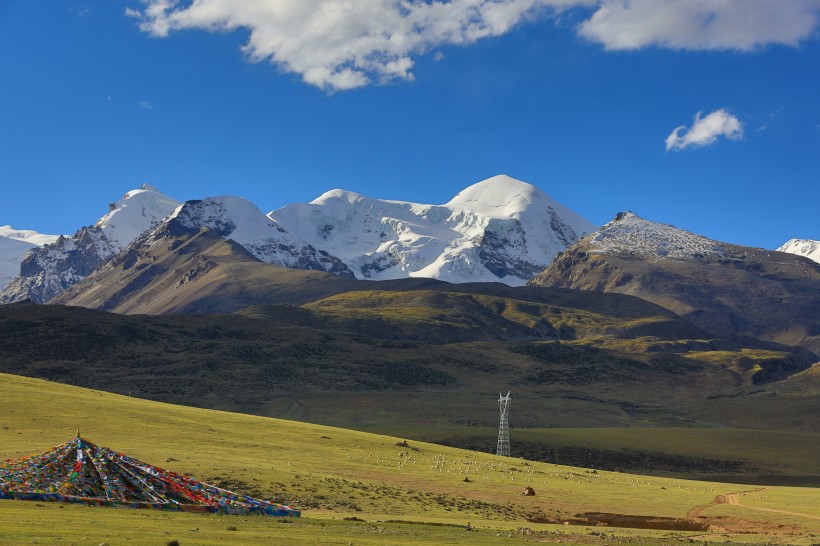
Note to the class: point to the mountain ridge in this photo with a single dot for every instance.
(14, 245)
(515, 232)
(47, 271)
(723, 288)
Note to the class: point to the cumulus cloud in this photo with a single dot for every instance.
(705, 131)
(701, 24)
(335, 44)
(339, 45)
(343, 44)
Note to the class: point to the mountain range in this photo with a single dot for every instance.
(500, 229)
(153, 254)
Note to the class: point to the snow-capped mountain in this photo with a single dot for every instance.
(50, 269)
(14, 243)
(802, 247)
(241, 221)
(628, 233)
(500, 229)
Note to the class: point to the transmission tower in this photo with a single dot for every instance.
(504, 427)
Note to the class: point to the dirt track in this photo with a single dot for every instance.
(728, 498)
(734, 500)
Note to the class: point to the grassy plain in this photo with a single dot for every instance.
(728, 454)
(334, 474)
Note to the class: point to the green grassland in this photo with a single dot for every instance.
(439, 316)
(388, 362)
(720, 454)
(333, 474)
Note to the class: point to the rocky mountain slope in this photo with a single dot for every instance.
(498, 230)
(50, 269)
(204, 250)
(725, 289)
(14, 244)
(802, 247)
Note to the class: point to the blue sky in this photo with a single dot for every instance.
(575, 97)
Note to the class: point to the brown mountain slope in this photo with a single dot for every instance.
(194, 273)
(727, 290)
(320, 364)
(203, 273)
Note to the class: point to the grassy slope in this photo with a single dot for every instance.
(331, 473)
(285, 361)
(725, 454)
(246, 364)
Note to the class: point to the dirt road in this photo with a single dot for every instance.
(734, 500)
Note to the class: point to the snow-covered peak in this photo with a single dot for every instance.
(241, 221)
(48, 270)
(802, 247)
(337, 196)
(498, 197)
(137, 211)
(29, 236)
(14, 245)
(233, 217)
(499, 229)
(629, 233)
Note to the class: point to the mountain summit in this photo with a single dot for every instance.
(631, 234)
(722, 288)
(48, 270)
(500, 229)
(802, 247)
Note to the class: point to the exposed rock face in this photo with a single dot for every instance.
(241, 221)
(47, 271)
(725, 289)
(204, 245)
(14, 245)
(503, 253)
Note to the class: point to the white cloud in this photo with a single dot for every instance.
(342, 44)
(438, 56)
(705, 131)
(345, 44)
(702, 24)
(145, 105)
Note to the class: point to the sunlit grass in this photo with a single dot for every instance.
(330, 473)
